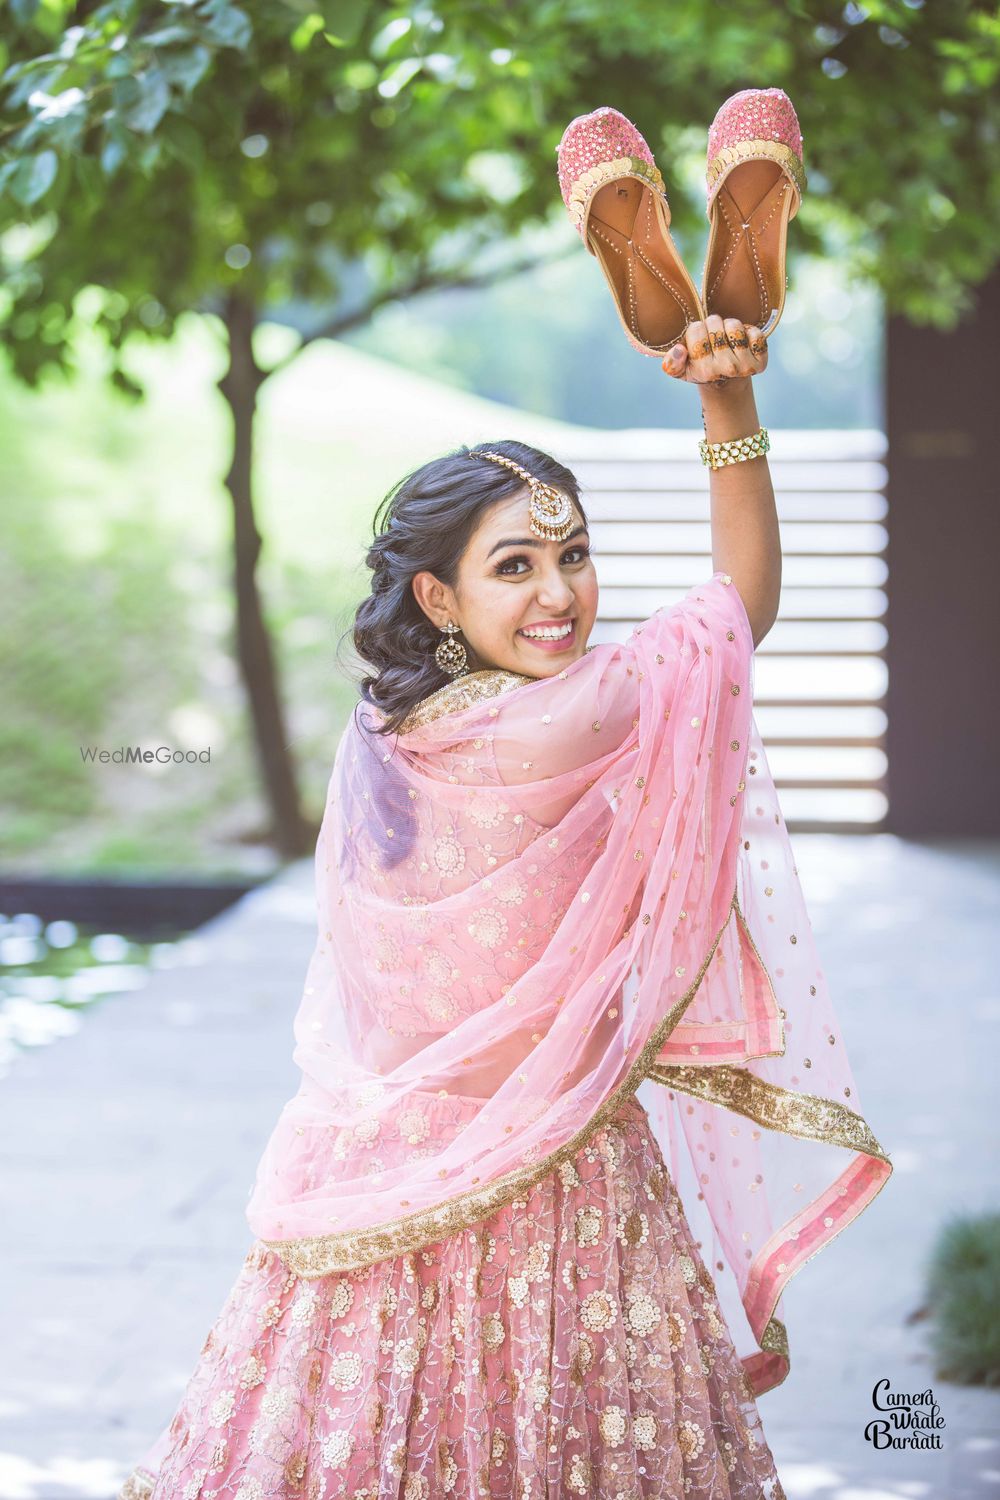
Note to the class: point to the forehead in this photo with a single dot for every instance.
(509, 518)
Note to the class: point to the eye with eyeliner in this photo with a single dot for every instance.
(585, 552)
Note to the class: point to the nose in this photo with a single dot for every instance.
(554, 592)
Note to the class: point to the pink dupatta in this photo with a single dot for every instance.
(538, 897)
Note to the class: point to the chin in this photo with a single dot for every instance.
(548, 668)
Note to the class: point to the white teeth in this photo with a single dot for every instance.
(555, 634)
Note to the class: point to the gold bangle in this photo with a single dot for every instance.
(735, 450)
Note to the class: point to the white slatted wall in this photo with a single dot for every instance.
(820, 673)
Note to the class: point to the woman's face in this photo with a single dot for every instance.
(522, 604)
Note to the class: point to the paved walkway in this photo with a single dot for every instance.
(129, 1150)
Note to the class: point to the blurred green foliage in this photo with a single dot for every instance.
(350, 152)
(962, 1295)
(115, 592)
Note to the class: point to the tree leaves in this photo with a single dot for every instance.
(23, 10)
(378, 143)
(228, 26)
(343, 20)
(185, 69)
(113, 79)
(143, 100)
(33, 176)
(114, 150)
(398, 75)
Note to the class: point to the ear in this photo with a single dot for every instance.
(435, 598)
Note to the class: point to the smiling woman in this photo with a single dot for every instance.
(540, 887)
(552, 576)
(450, 556)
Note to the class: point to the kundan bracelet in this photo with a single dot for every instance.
(736, 450)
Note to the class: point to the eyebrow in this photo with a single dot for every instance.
(527, 541)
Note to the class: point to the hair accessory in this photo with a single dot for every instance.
(735, 450)
(550, 511)
(451, 655)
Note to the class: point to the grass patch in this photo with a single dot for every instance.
(963, 1298)
(116, 606)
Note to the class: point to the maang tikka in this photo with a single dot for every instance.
(550, 512)
(550, 516)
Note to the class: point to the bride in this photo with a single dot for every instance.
(574, 1103)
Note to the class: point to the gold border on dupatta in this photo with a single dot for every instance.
(463, 692)
(352, 1249)
(804, 1115)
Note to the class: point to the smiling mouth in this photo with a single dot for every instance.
(551, 636)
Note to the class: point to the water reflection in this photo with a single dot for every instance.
(50, 974)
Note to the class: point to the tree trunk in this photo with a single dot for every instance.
(239, 386)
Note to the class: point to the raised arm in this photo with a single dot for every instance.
(721, 358)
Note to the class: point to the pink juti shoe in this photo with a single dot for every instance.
(615, 195)
(755, 185)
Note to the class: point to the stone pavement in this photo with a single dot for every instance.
(129, 1150)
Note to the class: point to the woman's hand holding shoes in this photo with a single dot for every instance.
(716, 351)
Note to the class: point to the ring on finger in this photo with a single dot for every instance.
(739, 341)
(719, 340)
(704, 349)
(758, 348)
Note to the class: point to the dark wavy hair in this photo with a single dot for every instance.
(425, 523)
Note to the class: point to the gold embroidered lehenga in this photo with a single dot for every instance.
(570, 1345)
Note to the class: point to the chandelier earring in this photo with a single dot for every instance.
(451, 655)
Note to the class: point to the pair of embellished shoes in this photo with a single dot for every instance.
(617, 199)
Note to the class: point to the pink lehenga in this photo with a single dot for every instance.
(574, 1107)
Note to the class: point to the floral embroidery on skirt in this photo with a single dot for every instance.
(570, 1345)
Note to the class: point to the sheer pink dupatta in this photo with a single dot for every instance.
(542, 895)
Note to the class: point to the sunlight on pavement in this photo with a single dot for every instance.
(83, 1479)
(821, 1482)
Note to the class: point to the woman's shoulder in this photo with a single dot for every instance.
(462, 692)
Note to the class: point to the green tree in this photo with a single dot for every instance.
(318, 160)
